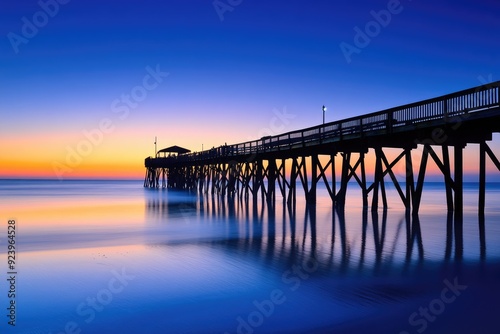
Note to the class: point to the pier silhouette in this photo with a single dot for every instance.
(444, 123)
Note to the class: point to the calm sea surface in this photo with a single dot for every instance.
(113, 257)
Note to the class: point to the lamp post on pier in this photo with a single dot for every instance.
(324, 109)
(156, 151)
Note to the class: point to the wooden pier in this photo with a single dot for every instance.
(261, 166)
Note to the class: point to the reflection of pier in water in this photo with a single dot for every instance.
(287, 235)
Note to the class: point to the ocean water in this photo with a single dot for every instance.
(114, 257)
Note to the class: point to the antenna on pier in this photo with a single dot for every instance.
(156, 152)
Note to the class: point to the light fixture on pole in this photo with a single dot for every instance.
(324, 109)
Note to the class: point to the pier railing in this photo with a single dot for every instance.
(447, 108)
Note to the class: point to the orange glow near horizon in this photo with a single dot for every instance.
(43, 169)
(133, 167)
(121, 155)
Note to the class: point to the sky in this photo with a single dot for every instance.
(87, 85)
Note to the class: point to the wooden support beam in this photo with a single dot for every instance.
(377, 178)
(458, 182)
(293, 182)
(271, 180)
(459, 203)
(201, 179)
(392, 164)
(449, 184)
(238, 178)
(346, 157)
(393, 177)
(209, 178)
(324, 177)
(163, 181)
(249, 172)
(302, 173)
(353, 172)
(257, 178)
(492, 156)
(410, 187)
(214, 179)
(145, 184)
(482, 179)
(314, 178)
(384, 195)
(264, 174)
(223, 178)
(233, 177)
(442, 166)
(420, 180)
(281, 176)
(364, 192)
(157, 177)
(334, 180)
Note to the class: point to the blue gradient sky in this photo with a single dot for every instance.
(226, 77)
